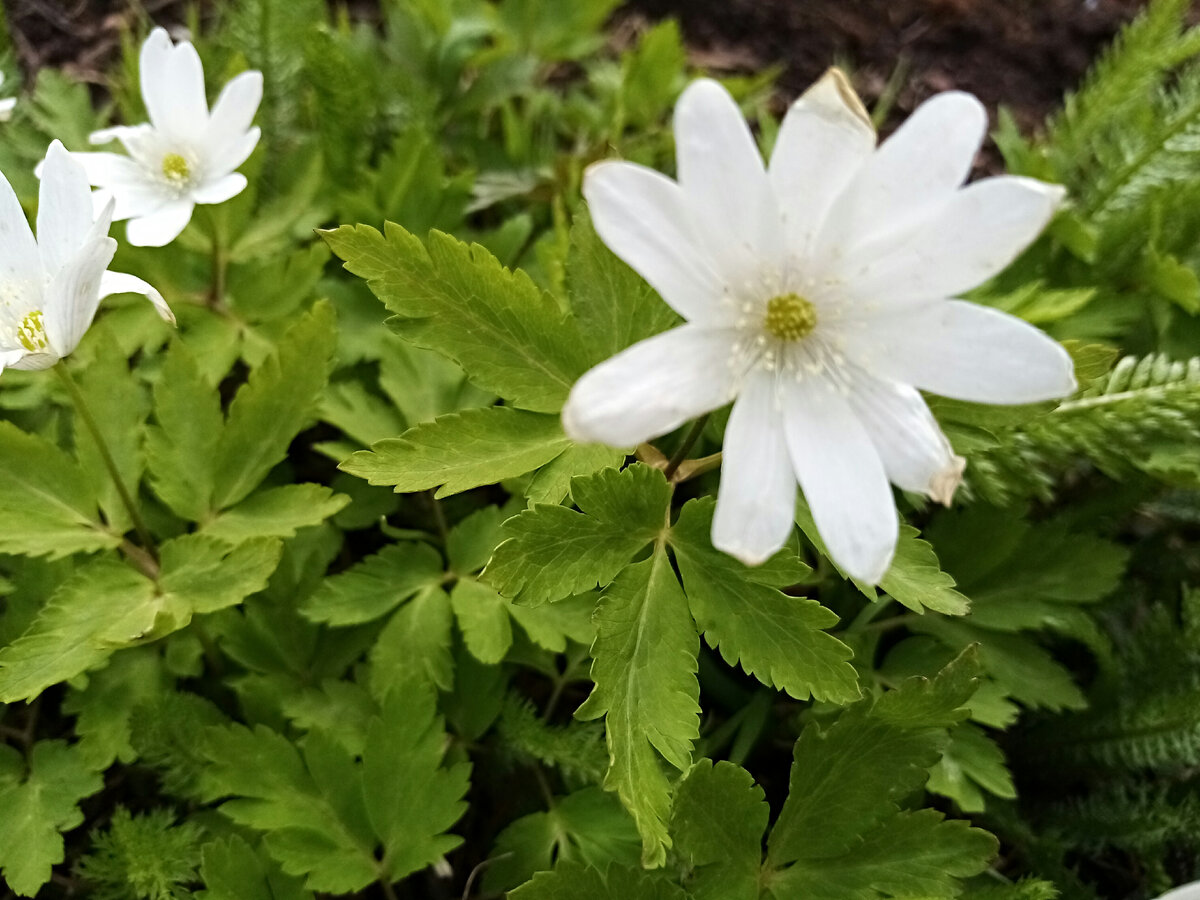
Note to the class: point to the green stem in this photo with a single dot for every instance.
(85, 416)
(686, 446)
(216, 296)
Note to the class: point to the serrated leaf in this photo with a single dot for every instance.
(483, 619)
(571, 881)
(552, 482)
(47, 503)
(375, 586)
(971, 765)
(414, 645)
(507, 334)
(778, 639)
(204, 574)
(277, 401)
(461, 451)
(103, 709)
(551, 552)
(36, 806)
(276, 512)
(232, 870)
(644, 669)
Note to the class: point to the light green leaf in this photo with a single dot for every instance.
(36, 806)
(276, 512)
(232, 870)
(201, 574)
(483, 618)
(644, 669)
(375, 586)
(103, 709)
(277, 401)
(778, 639)
(415, 644)
(47, 503)
(552, 552)
(552, 482)
(462, 451)
(971, 765)
(507, 334)
(916, 580)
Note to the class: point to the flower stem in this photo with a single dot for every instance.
(686, 447)
(85, 416)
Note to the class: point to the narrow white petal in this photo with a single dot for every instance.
(653, 387)
(74, 294)
(153, 63)
(721, 172)
(10, 359)
(963, 350)
(221, 189)
(914, 170)
(916, 455)
(968, 239)
(19, 260)
(64, 215)
(121, 283)
(642, 216)
(233, 113)
(825, 139)
(159, 228)
(115, 133)
(7, 105)
(756, 501)
(231, 154)
(176, 104)
(842, 477)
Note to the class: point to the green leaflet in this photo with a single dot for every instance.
(571, 881)
(461, 451)
(374, 586)
(971, 765)
(415, 645)
(47, 502)
(777, 638)
(276, 512)
(35, 806)
(148, 855)
(232, 870)
(552, 552)
(509, 336)
(644, 665)
(339, 821)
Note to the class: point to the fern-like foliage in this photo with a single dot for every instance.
(145, 857)
(576, 750)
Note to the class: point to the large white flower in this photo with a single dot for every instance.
(184, 155)
(51, 286)
(817, 296)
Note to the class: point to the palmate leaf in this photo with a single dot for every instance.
(507, 334)
(36, 806)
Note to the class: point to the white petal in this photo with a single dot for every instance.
(756, 501)
(233, 113)
(965, 351)
(159, 228)
(824, 140)
(721, 171)
(123, 179)
(65, 214)
(643, 218)
(19, 260)
(153, 61)
(220, 189)
(919, 166)
(173, 88)
(653, 387)
(10, 359)
(121, 283)
(7, 105)
(230, 155)
(970, 238)
(842, 477)
(916, 455)
(74, 294)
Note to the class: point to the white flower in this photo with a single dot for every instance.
(7, 104)
(816, 293)
(1185, 892)
(184, 155)
(51, 286)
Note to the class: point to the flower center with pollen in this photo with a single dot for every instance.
(176, 168)
(31, 333)
(790, 317)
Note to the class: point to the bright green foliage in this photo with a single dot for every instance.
(644, 665)
(373, 587)
(552, 552)
(509, 336)
(916, 579)
(146, 857)
(458, 452)
(36, 804)
(276, 512)
(338, 821)
(415, 644)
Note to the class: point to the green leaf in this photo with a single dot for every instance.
(148, 856)
(233, 871)
(36, 806)
(718, 821)
(571, 881)
(916, 580)
(201, 574)
(181, 448)
(507, 334)
(971, 765)
(483, 618)
(277, 401)
(777, 638)
(415, 644)
(614, 305)
(103, 709)
(461, 451)
(47, 503)
(375, 586)
(276, 512)
(552, 482)
(552, 552)
(644, 669)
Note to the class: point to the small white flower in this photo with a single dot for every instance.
(7, 104)
(817, 297)
(51, 286)
(184, 155)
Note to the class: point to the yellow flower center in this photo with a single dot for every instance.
(176, 168)
(32, 333)
(790, 317)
